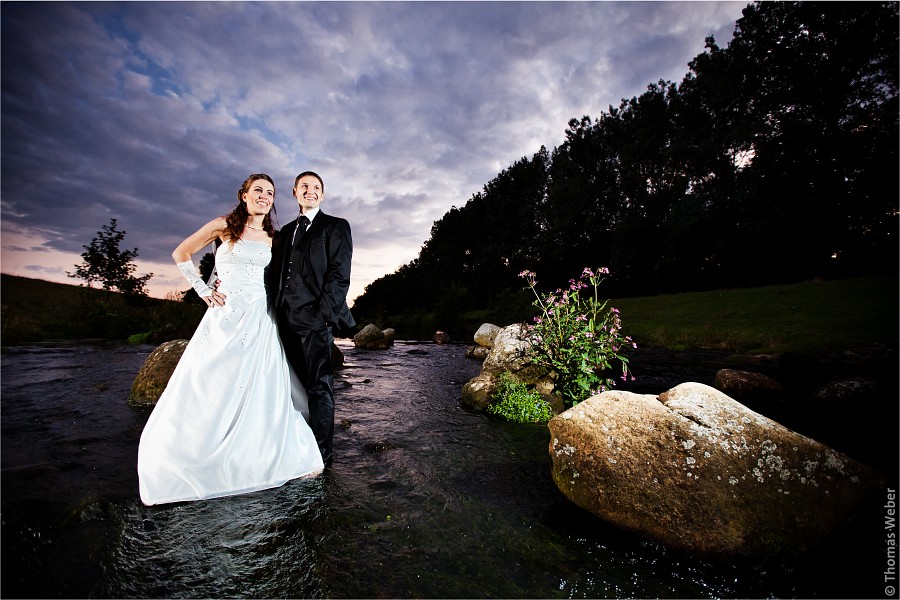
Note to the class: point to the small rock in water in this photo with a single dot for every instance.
(373, 447)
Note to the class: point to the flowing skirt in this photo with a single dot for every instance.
(233, 416)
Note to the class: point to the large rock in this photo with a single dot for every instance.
(477, 392)
(369, 333)
(484, 341)
(373, 338)
(848, 414)
(696, 470)
(477, 352)
(510, 350)
(509, 354)
(382, 343)
(153, 377)
(486, 335)
(337, 357)
(754, 390)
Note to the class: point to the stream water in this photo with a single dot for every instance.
(425, 499)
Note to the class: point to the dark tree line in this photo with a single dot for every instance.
(774, 160)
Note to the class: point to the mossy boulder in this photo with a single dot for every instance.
(373, 338)
(153, 377)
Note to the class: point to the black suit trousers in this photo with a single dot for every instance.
(307, 343)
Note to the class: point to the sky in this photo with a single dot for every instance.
(154, 113)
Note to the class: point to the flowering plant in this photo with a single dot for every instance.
(578, 337)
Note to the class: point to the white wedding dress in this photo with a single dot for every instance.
(232, 417)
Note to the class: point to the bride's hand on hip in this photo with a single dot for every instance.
(215, 299)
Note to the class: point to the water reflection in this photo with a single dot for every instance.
(256, 545)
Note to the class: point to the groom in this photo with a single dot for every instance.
(311, 256)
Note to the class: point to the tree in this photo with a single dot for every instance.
(105, 264)
(823, 82)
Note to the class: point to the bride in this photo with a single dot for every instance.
(232, 418)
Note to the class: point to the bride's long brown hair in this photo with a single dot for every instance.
(237, 218)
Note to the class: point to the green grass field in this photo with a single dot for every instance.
(34, 310)
(801, 317)
(37, 310)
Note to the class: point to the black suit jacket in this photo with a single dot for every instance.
(324, 253)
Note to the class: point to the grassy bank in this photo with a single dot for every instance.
(34, 310)
(803, 317)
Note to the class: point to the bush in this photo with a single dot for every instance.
(514, 402)
(578, 337)
(139, 338)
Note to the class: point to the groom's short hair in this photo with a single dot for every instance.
(304, 174)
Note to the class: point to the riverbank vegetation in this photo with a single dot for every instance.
(34, 310)
(814, 315)
(810, 316)
(578, 335)
(514, 402)
(773, 162)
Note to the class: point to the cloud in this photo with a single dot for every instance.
(153, 113)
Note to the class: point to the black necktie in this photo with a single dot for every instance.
(302, 223)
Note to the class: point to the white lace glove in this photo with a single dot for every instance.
(190, 273)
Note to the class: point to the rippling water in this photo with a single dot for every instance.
(425, 499)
